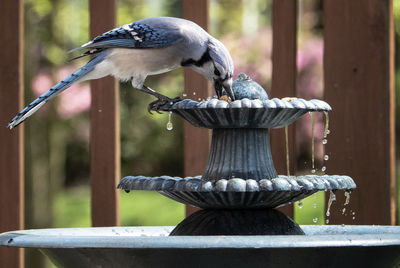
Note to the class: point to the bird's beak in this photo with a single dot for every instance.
(227, 85)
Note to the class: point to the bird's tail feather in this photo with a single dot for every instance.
(54, 91)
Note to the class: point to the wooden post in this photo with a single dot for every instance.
(196, 141)
(105, 129)
(358, 75)
(284, 71)
(11, 141)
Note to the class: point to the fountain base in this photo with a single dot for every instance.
(237, 222)
(322, 246)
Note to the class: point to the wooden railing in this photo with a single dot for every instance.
(358, 83)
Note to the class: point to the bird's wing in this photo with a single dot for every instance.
(134, 35)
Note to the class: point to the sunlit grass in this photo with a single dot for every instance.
(312, 210)
(138, 208)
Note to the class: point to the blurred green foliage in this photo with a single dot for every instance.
(140, 208)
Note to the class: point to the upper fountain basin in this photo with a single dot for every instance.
(246, 113)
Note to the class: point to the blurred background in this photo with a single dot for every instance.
(57, 137)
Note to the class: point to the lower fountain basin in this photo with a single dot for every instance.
(237, 193)
(322, 246)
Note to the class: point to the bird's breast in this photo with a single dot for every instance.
(126, 62)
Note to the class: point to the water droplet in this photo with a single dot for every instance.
(169, 124)
(199, 99)
(323, 169)
(100, 110)
(327, 221)
(343, 211)
(354, 218)
(324, 141)
(194, 93)
(184, 94)
(300, 204)
(326, 157)
(315, 206)
(315, 220)
(328, 131)
(313, 171)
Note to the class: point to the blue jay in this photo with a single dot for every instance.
(148, 47)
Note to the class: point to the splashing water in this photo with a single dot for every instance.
(347, 201)
(347, 195)
(353, 214)
(332, 198)
(300, 204)
(287, 150)
(170, 126)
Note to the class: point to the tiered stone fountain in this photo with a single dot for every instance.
(238, 190)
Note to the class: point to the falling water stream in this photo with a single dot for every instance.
(332, 198)
(287, 150)
(312, 144)
(347, 201)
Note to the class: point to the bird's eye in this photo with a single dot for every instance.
(216, 72)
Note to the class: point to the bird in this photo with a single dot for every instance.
(147, 47)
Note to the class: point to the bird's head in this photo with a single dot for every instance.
(221, 68)
(215, 64)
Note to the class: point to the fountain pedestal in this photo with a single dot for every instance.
(240, 153)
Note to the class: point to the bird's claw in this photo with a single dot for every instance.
(162, 104)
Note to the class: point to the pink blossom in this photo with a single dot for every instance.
(75, 99)
(41, 83)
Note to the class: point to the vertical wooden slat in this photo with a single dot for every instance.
(196, 141)
(358, 72)
(11, 141)
(284, 46)
(105, 129)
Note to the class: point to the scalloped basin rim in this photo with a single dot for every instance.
(275, 103)
(245, 113)
(280, 183)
